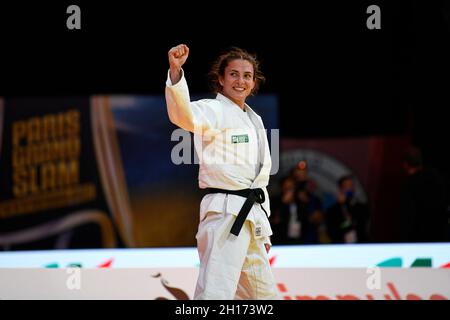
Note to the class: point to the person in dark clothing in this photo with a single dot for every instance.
(423, 202)
(300, 219)
(347, 220)
(283, 206)
(310, 216)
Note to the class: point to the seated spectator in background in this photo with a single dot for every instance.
(347, 220)
(423, 202)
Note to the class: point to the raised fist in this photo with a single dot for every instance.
(178, 56)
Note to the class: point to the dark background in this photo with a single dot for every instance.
(333, 76)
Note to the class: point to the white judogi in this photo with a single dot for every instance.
(234, 154)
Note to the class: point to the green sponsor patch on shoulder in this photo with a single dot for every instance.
(242, 138)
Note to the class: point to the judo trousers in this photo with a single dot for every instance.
(232, 267)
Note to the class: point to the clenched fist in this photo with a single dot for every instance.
(178, 56)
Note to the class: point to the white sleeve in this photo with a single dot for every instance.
(188, 115)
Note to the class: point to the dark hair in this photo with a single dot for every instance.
(341, 180)
(222, 61)
(413, 157)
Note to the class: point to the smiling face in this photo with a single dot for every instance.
(238, 81)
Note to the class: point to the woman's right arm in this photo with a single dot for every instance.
(177, 57)
(190, 116)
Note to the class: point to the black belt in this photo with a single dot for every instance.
(252, 195)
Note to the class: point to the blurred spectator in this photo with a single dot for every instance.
(310, 216)
(284, 211)
(299, 218)
(300, 175)
(423, 202)
(347, 220)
